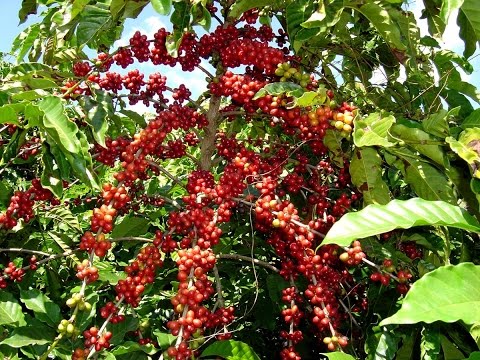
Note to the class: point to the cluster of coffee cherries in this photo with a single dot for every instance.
(97, 243)
(289, 73)
(67, 329)
(343, 119)
(354, 255)
(21, 204)
(78, 300)
(402, 276)
(87, 272)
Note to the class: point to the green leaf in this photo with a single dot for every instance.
(106, 272)
(430, 343)
(468, 148)
(230, 350)
(419, 140)
(474, 356)
(51, 178)
(366, 173)
(449, 293)
(437, 123)
(163, 7)
(470, 23)
(98, 112)
(427, 181)
(45, 310)
(398, 214)
(333, 142)
(29, 335)
(277, 89)
(139, 119)
(57, 125)
(315, 20)
(131, 346)
(373, 130)
(337, 355)
(63, 215)
(94, 21)
(131, 226)
(381, 345)
(29, 7)
(473, 120)
(449, 7)
(10, 310)
(467, 34)
(8, 115)
(381, 20)
(120, 329)
(239, 7)
(164, 339)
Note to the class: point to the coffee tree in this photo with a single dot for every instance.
(293, 208)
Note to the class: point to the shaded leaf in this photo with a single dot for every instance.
(51, 178)
(398, 214)
(430, 343)
(366, 172)
(239, 7)
(449, 293)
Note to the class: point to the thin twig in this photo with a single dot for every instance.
(249, 259)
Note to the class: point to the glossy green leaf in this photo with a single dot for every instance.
(277, 89)
(297, 12)
(8, 115)
(44, 309)
(366, 173)
(29, 335)
(130, 347)
(473, 120)
(468, 148)
(381, 20)
(333, 142)
(240, 6)
(94, 21)
(449, 293)
(422, 142)
(315, 20)
(337, 355)
(58, 126)
(164, 339)
(430, 343)
(163, 7)
(120, 329)
(10, 310)
(230, 350)
(131, 226)
(373, 130)
(398, 214)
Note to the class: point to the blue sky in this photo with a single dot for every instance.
(149, 22)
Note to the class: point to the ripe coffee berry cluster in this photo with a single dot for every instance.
(89, 242)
